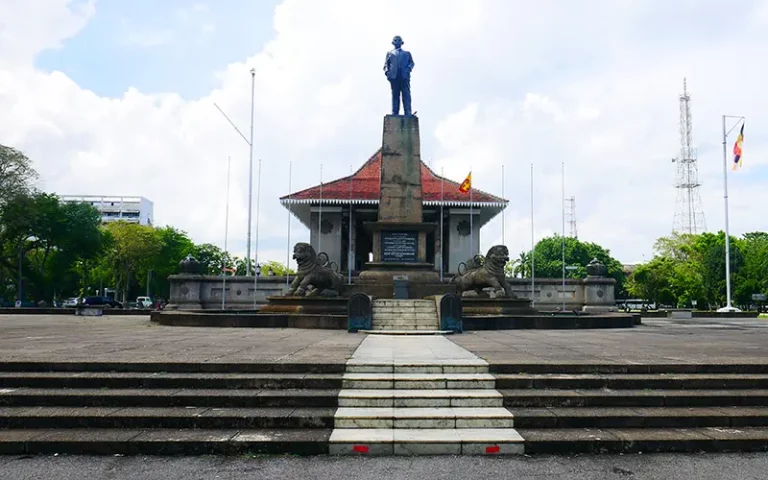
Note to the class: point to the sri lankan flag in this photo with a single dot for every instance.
(737, 149)
(466, 185)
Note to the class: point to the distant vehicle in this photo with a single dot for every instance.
(105, 301)
(70, 302)
(144, 302)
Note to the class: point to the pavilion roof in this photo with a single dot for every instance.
(363, 187)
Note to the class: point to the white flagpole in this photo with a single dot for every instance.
(504, 210)
(533, 248)
(288, 248)
(562, 208)
(471, 228)
(256, 246)
(350, 252)
(320, 215)
(226, 238)
(442, 201)
(728, 307)
(250, 182)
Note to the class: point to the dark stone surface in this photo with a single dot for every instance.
(399, 246)
(259, 320)
(547, 322)
(127, 343)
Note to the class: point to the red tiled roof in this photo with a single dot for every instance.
(365, 188)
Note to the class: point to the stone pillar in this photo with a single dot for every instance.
(186, 287)
(400, 197)
(599, 290)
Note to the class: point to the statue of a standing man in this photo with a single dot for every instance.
(397, 68)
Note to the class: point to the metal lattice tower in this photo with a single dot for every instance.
(570, 212)
(689, 214)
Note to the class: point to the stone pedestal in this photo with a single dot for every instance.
(399, 235)
(599, 295)
(185, 292)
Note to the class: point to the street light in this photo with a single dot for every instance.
(250, 169)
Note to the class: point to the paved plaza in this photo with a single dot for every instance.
(61, 338)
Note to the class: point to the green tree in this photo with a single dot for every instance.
(549, 263)
(174, 246)
(652, 281)
(16, 174)
(50, 238)
(211, 257)
(135, 246)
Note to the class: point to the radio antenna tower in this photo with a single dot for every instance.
(570, 211)
(689, 214)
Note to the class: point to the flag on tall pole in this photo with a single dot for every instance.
(466, 185)
(737, 149)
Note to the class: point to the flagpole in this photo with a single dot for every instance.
(533, 248)
(562, 208)
(504, 210)
(226, 238)
(350, 252)
(728, 307)
(442, 201)
(288, 247)
(320, 215)
(471, 228)
(256, 242)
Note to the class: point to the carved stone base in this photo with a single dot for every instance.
(497, 306)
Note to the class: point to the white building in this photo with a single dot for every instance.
(129, 209)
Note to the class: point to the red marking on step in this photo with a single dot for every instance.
(493, 449)
(360, 448)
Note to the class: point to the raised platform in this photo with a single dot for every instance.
(556, 321)
(249, 319)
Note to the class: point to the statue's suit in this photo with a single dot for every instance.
(397, 68)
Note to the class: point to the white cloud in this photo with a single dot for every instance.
(495, 83)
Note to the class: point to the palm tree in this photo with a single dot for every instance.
(522, 265)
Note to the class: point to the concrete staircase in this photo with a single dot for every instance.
(637, 408)
(442, 405)
(397, 316)
(167, 408)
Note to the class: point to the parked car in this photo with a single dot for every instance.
(70, 302)
(144, 302)
(104, 301)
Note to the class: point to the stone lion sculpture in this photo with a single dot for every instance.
(312, 278)
(489, 274)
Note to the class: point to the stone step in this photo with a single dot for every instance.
(643, 440)
(169, 380)
(405, 318)
(708, 381)
(173, 367)
(633, 398)
(388, 417)
(641, 417)
(418, 381)
(627, 368)
(435, 366)
(219, 398)
(360, 398)
(382, 302)
(174, 417)
(411, 331)
(461, 441)
(164, 442)
(432, 323)
(378, 312)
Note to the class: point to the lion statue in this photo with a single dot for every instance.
(489, 274)
(312, 278)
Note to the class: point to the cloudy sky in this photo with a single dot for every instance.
(115, 97)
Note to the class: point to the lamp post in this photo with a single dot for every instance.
(250, 169)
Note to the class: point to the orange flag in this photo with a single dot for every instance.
(466, 184)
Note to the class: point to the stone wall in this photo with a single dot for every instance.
(191, 292)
